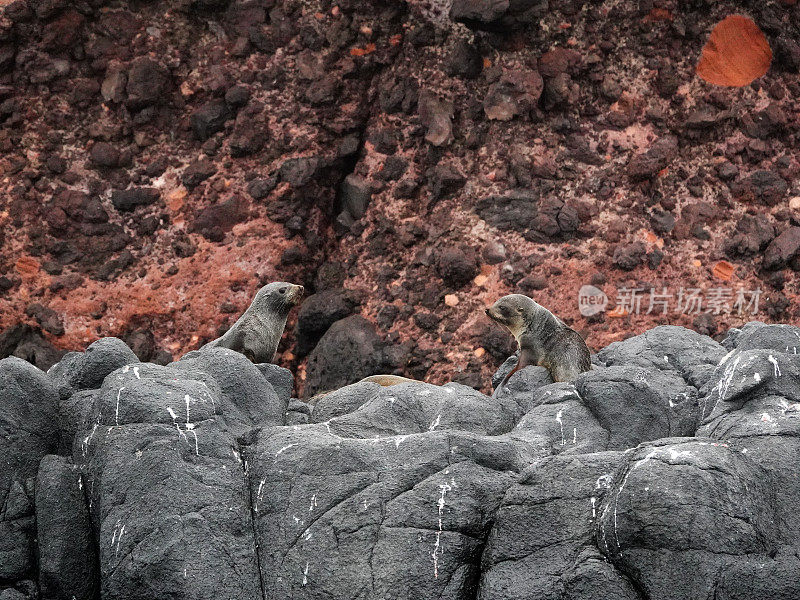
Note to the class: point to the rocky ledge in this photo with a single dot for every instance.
(667, 472)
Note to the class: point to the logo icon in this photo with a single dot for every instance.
(591, 300)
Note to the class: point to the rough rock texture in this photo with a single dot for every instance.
(161, 160)
(28, 432)
(666, 472)
(67, 552)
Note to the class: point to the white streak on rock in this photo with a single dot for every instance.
(636, 465)
(196, 446)
(261, 489)
(776, 368)
(726, 357)
(284, 449)
(187, 399)
(435, 423)
(437, 548)
(87, 439)
(561, 424)
(116, 412)
(727, 377)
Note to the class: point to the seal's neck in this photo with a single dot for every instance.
(541, 324)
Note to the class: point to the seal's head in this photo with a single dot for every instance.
(512, 311)
(278, 297)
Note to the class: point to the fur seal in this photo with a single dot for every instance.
(388, 380)
(257, 332)
(543, 339)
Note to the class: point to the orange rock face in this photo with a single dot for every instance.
(736, 53)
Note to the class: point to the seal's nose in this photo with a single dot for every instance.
(486, 310)
(300, 289)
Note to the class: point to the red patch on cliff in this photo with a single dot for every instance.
(736, 53)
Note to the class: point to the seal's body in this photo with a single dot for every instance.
(388, 380)
(257, 332)
(543, 338)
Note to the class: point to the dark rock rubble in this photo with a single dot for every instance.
(666, 472)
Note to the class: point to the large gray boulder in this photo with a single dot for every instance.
(403, 516)
(67, 552)
(684, 515)
(542, 542)
(349, 351)
(667, 348)
(86, 370)
(249, 397)
(167, 487)
(753, 404)
(417, 407)
(28, 432)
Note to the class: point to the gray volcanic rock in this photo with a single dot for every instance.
(636, 405)
(522, 383)
(249, 397)
(167, 489)
(72, 414)
(349, 351)
(542, 541)
(83, 371)
(559, 422)
(755, 335)
(28, 431)
(667, 348)
(684, 515)
(343, 401)
(399, 516)
(753, 404)
(67, 560)
(281, 380)
(205, 479)
(416, 407)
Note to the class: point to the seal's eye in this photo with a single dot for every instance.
(282, 290)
